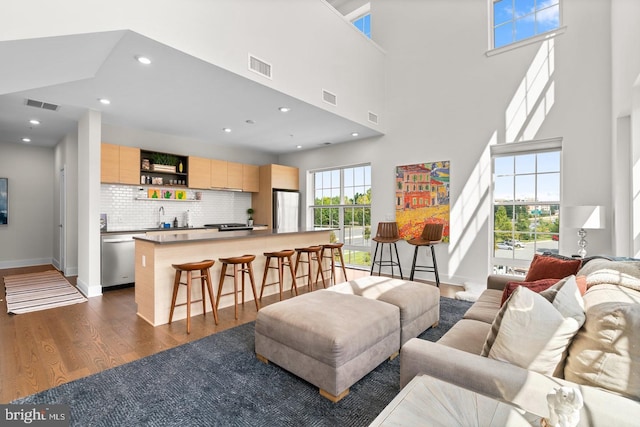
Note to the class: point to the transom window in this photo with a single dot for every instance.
(526, 206)
(516, 20)
(342, 200)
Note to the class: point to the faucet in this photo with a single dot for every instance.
(161, 216)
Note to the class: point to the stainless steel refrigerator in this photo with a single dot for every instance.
(286, 210)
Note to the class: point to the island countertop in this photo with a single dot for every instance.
(156, 253)
(169, 238)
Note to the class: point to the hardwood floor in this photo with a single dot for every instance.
(47, 348)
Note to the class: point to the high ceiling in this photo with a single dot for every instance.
(176, 94)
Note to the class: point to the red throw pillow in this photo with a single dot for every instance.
(548, 267)
(536, 286)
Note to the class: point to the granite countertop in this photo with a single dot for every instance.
(167, 238)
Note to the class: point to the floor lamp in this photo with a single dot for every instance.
(585, 218)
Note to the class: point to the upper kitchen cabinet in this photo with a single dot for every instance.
(119, 164)
(251, 178)
(234, 175)
(218, 174)
(166, 169)
(199, 172)
(227, 175)
(284, 177)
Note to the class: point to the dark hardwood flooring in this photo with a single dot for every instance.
(47, 348)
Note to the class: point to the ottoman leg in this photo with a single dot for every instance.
(333, 398)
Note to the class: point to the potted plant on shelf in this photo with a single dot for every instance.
(250, 213)
(164, 162)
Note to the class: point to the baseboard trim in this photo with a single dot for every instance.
(25, 263)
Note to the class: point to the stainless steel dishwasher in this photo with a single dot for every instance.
(118, 259)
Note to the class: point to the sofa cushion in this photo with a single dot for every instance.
(550, 267)
(466, 335)
(486, 308)
(534, 330)
(536, 286)
(606, 351)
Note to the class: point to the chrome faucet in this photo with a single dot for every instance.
(161, 216)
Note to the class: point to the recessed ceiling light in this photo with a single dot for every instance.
(104, 101)
(355, 134)
(227, 130)
(143, 60)
(26, 139)
(250, 122)
(284, 109)
(34, 122)
(298, 146)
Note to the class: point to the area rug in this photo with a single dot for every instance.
(39, 291)
(217, 381)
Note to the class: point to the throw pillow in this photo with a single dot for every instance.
(533, 330)
(535, 286)
(548, 267)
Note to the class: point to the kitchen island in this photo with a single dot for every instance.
(154, 255)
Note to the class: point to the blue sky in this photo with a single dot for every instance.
(516, 20)
(526, 185)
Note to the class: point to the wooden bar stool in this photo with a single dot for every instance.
(313, 254)
(284, 259)
(333, 249)
(241, 265)
(431, 235)
(387, 234)
(205, 276)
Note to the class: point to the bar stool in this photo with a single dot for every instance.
(387, 233)
(333, 249)
(284, 259)
(205, 276)
(313, 254)
(241, 265)
(431, 236)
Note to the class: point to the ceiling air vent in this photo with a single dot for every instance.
(373, 117)
(43, 105)
(259, 66)
(329, 98)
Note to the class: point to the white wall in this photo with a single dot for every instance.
(28, 238)
(66, 156)
(309, 44)
(446, 100)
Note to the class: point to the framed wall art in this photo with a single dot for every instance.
(4, 201)
(422, 196)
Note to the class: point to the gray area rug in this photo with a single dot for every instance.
(217, 381)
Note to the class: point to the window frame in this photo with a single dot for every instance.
(492, 50)
(513, 264)
(342, 207)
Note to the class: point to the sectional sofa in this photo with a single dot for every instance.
(599, 350)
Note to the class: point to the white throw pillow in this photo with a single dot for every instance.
(536, 329)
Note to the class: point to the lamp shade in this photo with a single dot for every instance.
(587, 217)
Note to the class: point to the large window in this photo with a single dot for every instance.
(516, 20)
(526, 203)
(342, 199)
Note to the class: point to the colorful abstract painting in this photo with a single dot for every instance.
(422, 196)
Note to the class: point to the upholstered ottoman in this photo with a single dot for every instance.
(329, 339)
(419, 303)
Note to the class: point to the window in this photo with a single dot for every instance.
(342, 199)
(515, 20)
(526, 203)
(364, 24)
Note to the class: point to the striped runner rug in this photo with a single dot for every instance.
(39, 291)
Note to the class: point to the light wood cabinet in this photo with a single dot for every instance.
(284, 177)
(218, 173)
(251, 178)
(199, 172)
(234, 175)
(272, 177)
(119, 164)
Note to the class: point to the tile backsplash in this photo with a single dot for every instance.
(128, 209)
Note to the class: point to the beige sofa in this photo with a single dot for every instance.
(603, 358)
